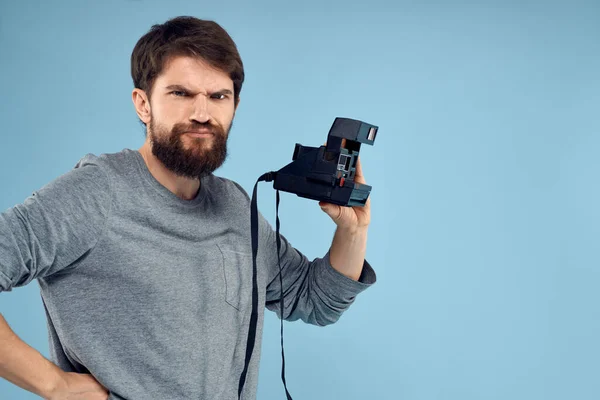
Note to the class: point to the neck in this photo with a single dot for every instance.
(184, 188)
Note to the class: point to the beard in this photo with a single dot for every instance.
(195, 160)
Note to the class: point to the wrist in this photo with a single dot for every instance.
(353, 230)
(57, 383)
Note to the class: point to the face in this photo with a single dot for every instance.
(190, 115)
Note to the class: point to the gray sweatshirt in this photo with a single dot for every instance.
(151, 294)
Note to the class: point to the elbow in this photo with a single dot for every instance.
(324, 315)
(326, 321)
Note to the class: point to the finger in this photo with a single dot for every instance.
(333, 210)
(359, 171)
(343, 145)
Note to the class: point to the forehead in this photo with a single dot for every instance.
(194, 73)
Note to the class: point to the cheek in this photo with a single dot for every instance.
(223, 115)
(168, 115)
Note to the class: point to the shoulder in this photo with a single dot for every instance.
(85, 189)
(96, 175)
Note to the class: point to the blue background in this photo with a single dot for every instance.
(486, 202)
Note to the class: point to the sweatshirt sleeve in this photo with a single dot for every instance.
(314, 291)
(54, 227)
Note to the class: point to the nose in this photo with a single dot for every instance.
(200, 112)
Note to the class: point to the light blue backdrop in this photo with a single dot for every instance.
(486, 201)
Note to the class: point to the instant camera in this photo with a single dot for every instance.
(326, 173)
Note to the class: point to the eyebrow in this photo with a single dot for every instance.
(181, 87)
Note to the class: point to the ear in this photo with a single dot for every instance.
(141, 104)
(237, 103)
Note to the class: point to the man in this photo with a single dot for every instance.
(143, 257)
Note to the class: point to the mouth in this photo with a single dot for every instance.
(200, 134)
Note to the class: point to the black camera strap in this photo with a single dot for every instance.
(323, 173)
(268, 177)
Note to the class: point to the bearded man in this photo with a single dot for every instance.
(143, 256)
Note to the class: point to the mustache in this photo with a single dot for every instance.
(181, 129)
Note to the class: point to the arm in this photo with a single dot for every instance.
(319, 291)
(348, 251)
(24, 366)
(314, 291)
(45, 234)
(53, 227)
(349, 245)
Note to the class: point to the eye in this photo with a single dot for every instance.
(219, 96)
(179, 93)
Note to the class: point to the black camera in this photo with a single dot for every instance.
(326, 173)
